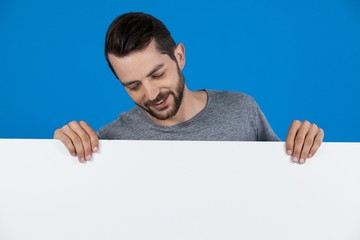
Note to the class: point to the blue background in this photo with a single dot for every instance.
(298, 59)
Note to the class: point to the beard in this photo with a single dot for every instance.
(177, 94)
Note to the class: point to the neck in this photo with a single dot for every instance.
(192, 103)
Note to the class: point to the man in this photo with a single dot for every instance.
(143, 56)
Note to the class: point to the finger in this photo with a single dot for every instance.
(76, 140)
(299, 140)
(94, 140)
(308, 142)
(59, 134)
(317, 142)
(84, 137)
(290, 138)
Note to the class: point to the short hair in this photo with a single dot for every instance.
(134, 31)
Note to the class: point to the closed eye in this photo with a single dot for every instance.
(133, 86)
(158, 75)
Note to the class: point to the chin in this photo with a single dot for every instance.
(169, 113)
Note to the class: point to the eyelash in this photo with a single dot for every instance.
(134, 88)
(158, 76)
(138, 85)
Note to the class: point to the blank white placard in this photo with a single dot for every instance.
(178, 190)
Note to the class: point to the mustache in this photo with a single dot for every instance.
(158, 98)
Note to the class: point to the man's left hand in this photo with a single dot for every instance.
(303, 140)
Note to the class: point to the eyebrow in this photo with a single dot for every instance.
(154, 70)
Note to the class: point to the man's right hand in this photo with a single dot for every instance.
(79, 138)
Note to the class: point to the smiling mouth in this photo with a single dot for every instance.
(161, 104)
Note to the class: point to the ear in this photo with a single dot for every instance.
(180, 55)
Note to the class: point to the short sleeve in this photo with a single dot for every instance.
(264, 130)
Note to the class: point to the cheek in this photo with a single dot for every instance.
(137, 97)
(172, 81)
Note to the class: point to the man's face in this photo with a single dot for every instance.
(153, 80)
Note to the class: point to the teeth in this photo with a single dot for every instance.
(160, 101)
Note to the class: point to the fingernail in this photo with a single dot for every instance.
(82, 159)
(289, 152)
(88, 157)
(310, 155)
(95, 149)
(295, 159)
(302, 160)
(73, 154)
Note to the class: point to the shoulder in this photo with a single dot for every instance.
(231, 99)
(121, 125)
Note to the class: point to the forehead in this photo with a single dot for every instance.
(138, 64)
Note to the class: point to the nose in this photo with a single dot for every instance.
(151, 91)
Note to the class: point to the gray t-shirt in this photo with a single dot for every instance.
(227, 116)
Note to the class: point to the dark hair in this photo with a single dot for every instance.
(134, 31)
